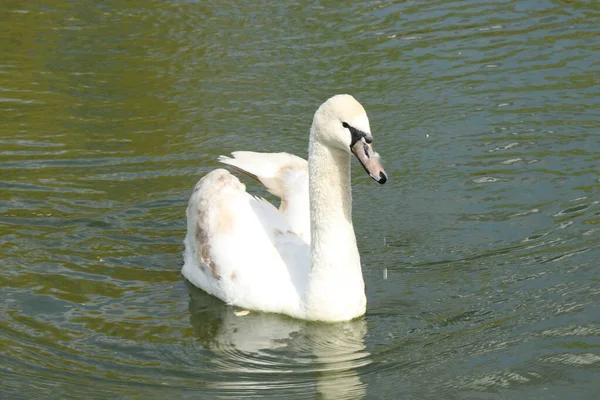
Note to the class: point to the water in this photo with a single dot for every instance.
(480, 253)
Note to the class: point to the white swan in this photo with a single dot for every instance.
(243, 250)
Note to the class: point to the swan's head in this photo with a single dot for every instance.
(342, 123)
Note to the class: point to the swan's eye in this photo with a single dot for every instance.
(345, 125)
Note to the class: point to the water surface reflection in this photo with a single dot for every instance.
(258, 352)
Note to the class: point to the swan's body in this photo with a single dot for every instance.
(243, 250)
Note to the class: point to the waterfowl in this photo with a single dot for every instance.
(301, 259)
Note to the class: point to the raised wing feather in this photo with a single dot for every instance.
(284, 175)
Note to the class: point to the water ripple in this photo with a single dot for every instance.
(479, 254)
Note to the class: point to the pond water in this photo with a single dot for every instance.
(480, 254)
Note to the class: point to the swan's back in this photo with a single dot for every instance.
(239, 249)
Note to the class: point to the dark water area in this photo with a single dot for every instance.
(480, 254)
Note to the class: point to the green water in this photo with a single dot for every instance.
(480, 253)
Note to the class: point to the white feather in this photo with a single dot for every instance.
(285, 176)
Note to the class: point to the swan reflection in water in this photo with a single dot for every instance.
(273, 355)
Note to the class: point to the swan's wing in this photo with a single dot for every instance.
(270, 169)
(239, 248)
(284, 175)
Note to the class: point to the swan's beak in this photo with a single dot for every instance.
(369, 160)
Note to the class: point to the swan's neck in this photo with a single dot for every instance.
(335, 288)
